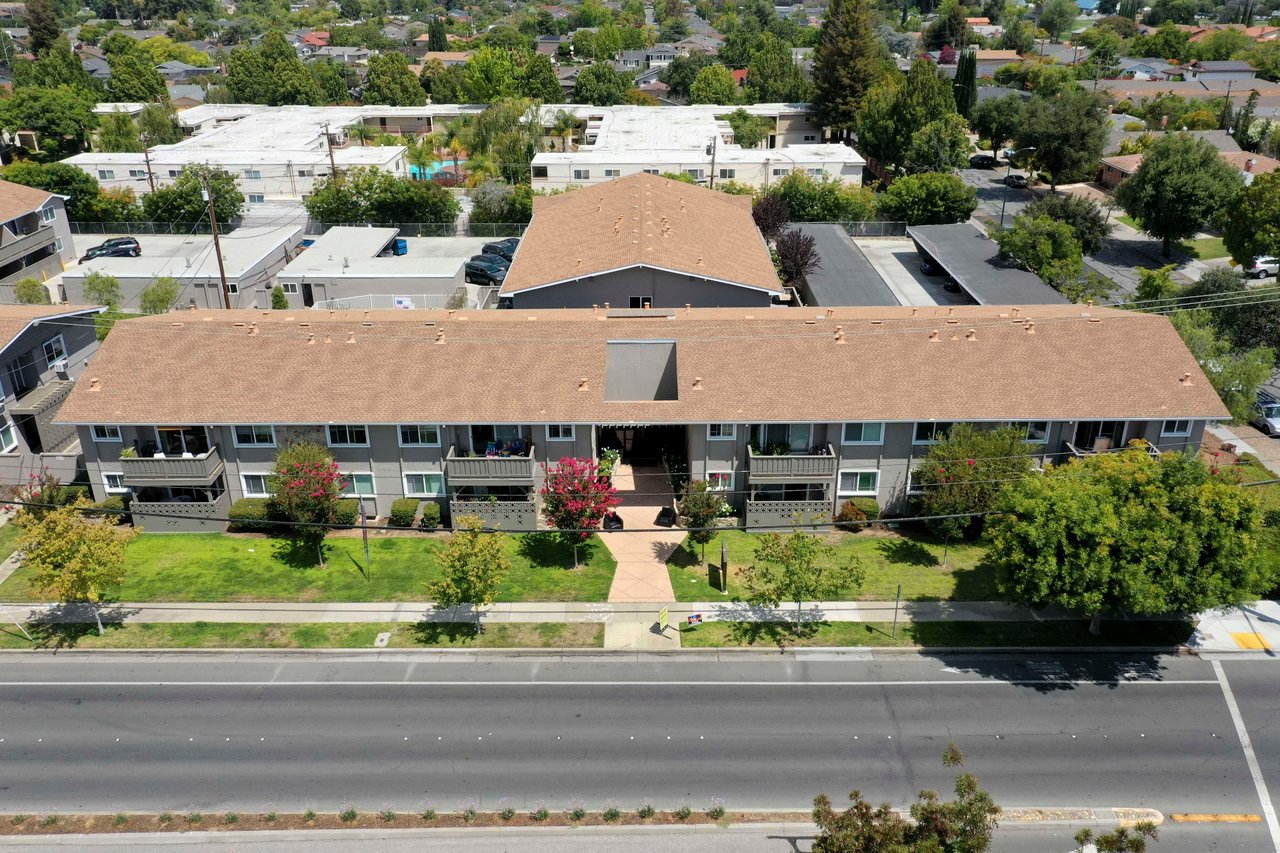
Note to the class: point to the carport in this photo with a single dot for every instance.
(972, 259)
(846, 277)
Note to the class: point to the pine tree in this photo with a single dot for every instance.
(42, 24)
(437, 39)
(1129, 9)
(966, 84)
(850, 59)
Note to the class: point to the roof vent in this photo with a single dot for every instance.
(971, 335)
(439, 336)
(1095, 319)
(253, 328)
(176, 325)
(933, 336)
(582, 384)
(311, 340)
(94, 384)
(839, 334)
(351, 337)
(1186, 379)
(688, 308)
(913, 311)
(697, 383)
(1031, 327)
(1015, 311)
(830, 313)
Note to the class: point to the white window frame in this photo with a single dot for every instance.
(105, 435)
(816, 173)
(811, 137)
(253, 493)
(48, 214)
(857, 492)
(728, 174)
(289, 287)
(934, 425)
(613, 173)
(1045, 436)
(732, 434)
(652, 171)
(106, 174)
(349, 479)
(408, 493)
(62, 345)
(57, 242)
(121, 489)
(559, 434)
(726, 486)
(913, 487)
(137, 173)
(696, 174)
(328, 435)
(253, 174)
(844, 433)
(1165, 432)
(11, 429)
(233, 288)
(235, 437)
(419, 427)
(306, 173)
(255, 198)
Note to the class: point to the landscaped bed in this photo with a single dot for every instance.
(888, 558)
(222, 567)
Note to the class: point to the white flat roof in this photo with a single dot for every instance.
(191, 255)
(352, 252)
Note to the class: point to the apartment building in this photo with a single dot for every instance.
(785, 412)
(35, 238)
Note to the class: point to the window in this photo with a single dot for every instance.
(559, 432)
(582, 174)
(419, 435)
(780, 172)
(137, 173)
(717, 432)
(253, 436)
(174, 173)
(640, 302)
(539, 171)
(931, 432)
(858, 483)
(55, 349)
(423, 485)
(233, 288)
(289, 286)
(357, 485)
(728, 173)
(252, 175)
(256, 485)
(8, 436)
(106, 433)
(1176, 429)
(57, 242)
(811, 137)
(1037, 432)
(720, 481)
(344, 435)
(653, 171)
(863, 433)
(256, 198)
(612, 173)
(114, 483)
(306, 173)
(48, 214)
(106, 174)
(817, 173)
(913, 484)
(696, 174)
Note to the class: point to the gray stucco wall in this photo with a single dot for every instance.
(665, 289)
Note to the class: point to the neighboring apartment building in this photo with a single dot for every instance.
(43, 351)
(35, 238)
(641, 242)
(785, 412)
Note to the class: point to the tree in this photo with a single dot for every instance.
(1252, 227)
(61, 117)
(279, 302)
(940, 145)
(773, 76)
(1058, 16)
(183, 200)
(1223, 44)
(491, 75)
(390, 82)
(1122, 839)
(501, 202)
(796, 567)
(1245, 323)
(1236, 375)
(575, 499)
(1042, 245)
(331, 80)
(118, 132)
(538, 80)
(270, 74)
(135, 79)
(964, 471)
(771, 215)
(1069, 133)
(437, 38)
(749, 130)
(42, 26)
(998, 120)
(825, 199)
(372, 195)
(158, 296)
(56, 66)
(1157, 284)
(103, 289)
(681, 73)
(305, 488)
(30, 291)
(1017, 36)
(1167, 42)
(714, 85)
(797, 255)
(892, 113)
(1182, 184)
(929, 198)
(158, 125)
(474, 563)
(1171, 11)
(601, 86)
(966, 82)
(80, 188)
(848, 62)
(1086, 218)
(1130, 533)
(699, 507)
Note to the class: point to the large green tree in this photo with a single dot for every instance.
(966, 82)
(372, 195)
(929, 198)
(1125, 532)
(849, 60)
(964, 471)
(1086, 218)
(773, 76)
(57, 65)
(184, 200)
(940, 145)
(826, 199)
(949, 28)
(538, 80)
(601, 86)
(998, 120)
(390, 82)
(1234, 373)
(158, 124)
(1058, 16)
(270, 74)
(714, 85)
(1069, 132)
(681, 73)
(1252, 227)
(1245, 322)
(1181, 185)
(42, 24)
(491, 75)
(437, 38)
(85, 200)
(135, 80)
(1044, 246)
(61, 117)
(118, 131)
(798, 567)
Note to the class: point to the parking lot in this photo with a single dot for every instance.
(898, 264)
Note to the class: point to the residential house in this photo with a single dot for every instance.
(1115, 169)
(1087, 7)
(1062, 53)
(657, 57)
(395, 31)
(698, 43)
(641, 241)
(43, 352)
(447, 58)
(1217, 71)
(549, 45)
(179, 72)
(316, 39)
(35, 238)
(480, 402)
(184, 96)
(989, 60)
(347, 55)
(1145, 68)
(97, 67)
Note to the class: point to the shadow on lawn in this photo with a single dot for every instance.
(428, 633)
(907, 552)
(63, 627)
(547, 550)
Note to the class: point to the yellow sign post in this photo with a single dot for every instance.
(663, 620)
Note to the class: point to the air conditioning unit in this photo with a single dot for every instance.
(60, 367)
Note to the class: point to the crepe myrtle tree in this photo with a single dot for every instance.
(307, 485)
(575, 499)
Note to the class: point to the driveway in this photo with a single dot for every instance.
(898, 264)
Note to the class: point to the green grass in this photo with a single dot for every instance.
(1128, 220)
(936, 634)
(1204, 248)
(218, 567)
(9, 534)
(233, 635)
(887, 558)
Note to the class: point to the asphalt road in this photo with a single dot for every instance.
(991, 192)
(84, 733)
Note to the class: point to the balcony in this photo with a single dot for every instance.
(185, 470)
(507, 516)
(13, 246)
(791, 468)
(490, 470)
(781, 513)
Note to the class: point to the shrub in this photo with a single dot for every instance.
(646, 810)
(430, 515)
(19, 819)
(611, 814)
(870, 507)
(848, 516)
(715, 811)
(48, 820)
(403, 511)
(120, 819)
(194, 817)
(682, 812)
(428, 814)
(387, 815)
(540, 813)
(309, 815)
(251, 514)
(270, 817)
(348, 511)
(112, 509)
(69, 494)
(165, 817)
(230, 818)
(348, 815)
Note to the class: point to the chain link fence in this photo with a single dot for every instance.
(487, 230)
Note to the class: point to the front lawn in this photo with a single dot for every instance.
(887, 558)
(1204, 248)
(9, 533)
(219, 567)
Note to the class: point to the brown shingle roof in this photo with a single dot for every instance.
(17, 199)
(771, 364)
(642, 220)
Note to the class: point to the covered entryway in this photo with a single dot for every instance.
(645, 446)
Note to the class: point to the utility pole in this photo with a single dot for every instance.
(711, 184)
(217, 246)
(328, 144)
(146, 155)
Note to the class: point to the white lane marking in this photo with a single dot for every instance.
(655, 683)
(1268, 810)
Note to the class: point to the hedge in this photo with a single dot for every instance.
(869, 506)
(348, 512)
(114, 509)
(856, 510)
(403, 511)
(430, 515)
(69, 494)
(251, 514)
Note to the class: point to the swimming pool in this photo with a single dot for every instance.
(431, 170)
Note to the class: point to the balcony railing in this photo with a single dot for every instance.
(506, 516)
(194, 470)
(178, 516)
(792, 468)
(18, 245)
(490, 470)
(771, 513)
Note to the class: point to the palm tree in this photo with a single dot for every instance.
(421, 154)
(362, 132)
(563, 127)
(456, 149)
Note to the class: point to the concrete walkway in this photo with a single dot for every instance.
(642, 556)
(1250, 628)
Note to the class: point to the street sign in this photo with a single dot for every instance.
(695, 618)
(663, 619)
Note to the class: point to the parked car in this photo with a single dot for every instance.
(983, 161)
(502, 248)
(1262, 267)
(477, 271)
(930, 267)
(496, 260)
(1017, 182)
(951, 285)
(1266, 414)
(116, 247)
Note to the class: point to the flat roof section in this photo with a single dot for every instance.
(846, 277)
(971, 258)
(183, 256)
(346, 251)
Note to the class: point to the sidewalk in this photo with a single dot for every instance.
(1251, 628)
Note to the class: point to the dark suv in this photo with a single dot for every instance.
(502, 248)
(116, 247)
(481, 271)
(983, 161)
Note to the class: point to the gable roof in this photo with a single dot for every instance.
(642, 220)
(19, 199)
(14, 319)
